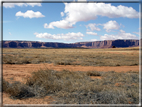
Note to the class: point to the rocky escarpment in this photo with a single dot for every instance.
(34, 44)
(95, 44)
(108, 44)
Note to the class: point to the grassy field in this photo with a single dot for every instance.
(84, 57)
(76, 87)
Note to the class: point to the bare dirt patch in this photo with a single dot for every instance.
(95, 77)
(22, 72)
(45, 100)
(25, 70)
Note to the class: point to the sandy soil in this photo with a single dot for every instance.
(45, 100)
(22, 72)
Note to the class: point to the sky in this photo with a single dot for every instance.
(70, 22)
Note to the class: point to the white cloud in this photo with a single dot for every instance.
(91, 33)
(62, 14)
(138, 33)
(30, 14)
(76, 12)
(93, 40)
(122, 31)
(40, 40)
(121, 35)
(68, 36)
(34, 4)
(92, 27)
(12, 5)
(111, 25)
(60, 24)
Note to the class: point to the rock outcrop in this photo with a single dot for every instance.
(109, 44)
(95, 44)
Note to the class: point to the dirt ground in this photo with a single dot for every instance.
(22, 72)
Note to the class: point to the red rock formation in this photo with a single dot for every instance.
(95, 44)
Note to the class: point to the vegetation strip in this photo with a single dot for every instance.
(83, 57)
(68, 87)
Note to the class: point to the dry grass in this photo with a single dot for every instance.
(68, 87)
(84, 57)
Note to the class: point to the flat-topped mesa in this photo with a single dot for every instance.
(125, 43)
(108, 44)
(94, 44)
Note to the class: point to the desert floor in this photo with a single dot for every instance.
(15, 67)
(22, 72)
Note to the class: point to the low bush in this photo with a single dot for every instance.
(17, 90)
(68, 87)
(93, 73)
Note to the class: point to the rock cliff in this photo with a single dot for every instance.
(95, 44)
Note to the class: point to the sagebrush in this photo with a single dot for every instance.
(68, 87)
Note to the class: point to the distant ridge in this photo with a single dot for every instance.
(92, 44)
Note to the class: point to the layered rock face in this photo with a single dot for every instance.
(108, 44)
(125, 43)
(34, 44)
(95, 44)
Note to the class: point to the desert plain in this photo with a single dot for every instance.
(70, 76)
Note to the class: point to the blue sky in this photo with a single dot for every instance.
(70, 22)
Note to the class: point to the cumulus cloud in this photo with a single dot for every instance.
(91, 33)
(12, 5)
(68, 36)
(76, 12)
(59, 24)
(30, 14)
(121, 35)
(111, 25)
(34, 4)
(92, 27)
